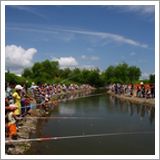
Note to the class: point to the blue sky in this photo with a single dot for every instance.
(82, 36)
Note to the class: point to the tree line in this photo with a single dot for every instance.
(49, 72)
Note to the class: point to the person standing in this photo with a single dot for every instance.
(143, 90)
(17, 100)
(24, 96)
(26, 87)
(152, 86)
(9, 91)
(132, 89)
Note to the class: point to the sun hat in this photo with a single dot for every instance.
(141, 83)
(18, 87)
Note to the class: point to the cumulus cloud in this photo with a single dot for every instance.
(66, 61)
(145, 75)
(17, 58)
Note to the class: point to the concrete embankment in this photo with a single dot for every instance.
(134, 99)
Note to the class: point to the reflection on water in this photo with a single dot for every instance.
(120, 116)
(131, 107)
(114, 104)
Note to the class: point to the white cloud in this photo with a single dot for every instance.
(144, 46)
(145, 9)
(69, 37)
(146, 12)
(138, 9)
(66, 61)
(28, 9)
(104, 35)
(145, 75)
(142, 60)
(91, 58)
(89, 67)
(83, 57)
(97, 36)
(95, 58)
(133, 53)
(17, 58)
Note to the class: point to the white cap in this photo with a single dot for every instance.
(18, 87)
(141, 82)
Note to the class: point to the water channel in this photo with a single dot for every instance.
(118, 117)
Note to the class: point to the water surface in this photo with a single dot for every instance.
(119, 117)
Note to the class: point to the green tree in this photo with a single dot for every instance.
(94, 78)
(121, 73)
(84, 77)
(152, 78)
(76, 74)
(66, 72)
(46, 66)
(109, 74)
(10, 76)
(103, 80)
(37, 69)
(55, 69)
(134, 73)
(27, 73)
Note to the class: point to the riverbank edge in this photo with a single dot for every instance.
(134, 99)
(29, 127)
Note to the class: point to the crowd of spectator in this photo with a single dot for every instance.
(131, 90)
(17, 101)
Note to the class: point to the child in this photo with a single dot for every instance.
(12, 123)
(17, 101)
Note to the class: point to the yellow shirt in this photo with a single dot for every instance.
(17, 102)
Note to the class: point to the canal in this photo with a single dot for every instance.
(114, 126)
